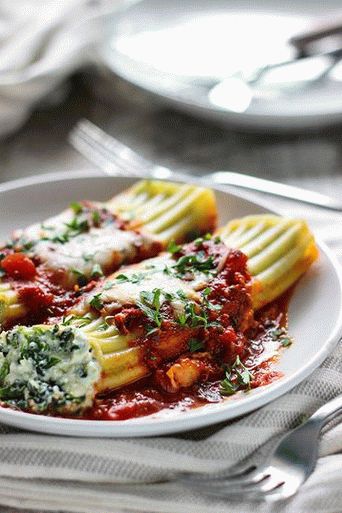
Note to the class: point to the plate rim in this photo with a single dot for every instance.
(264, 121)
(150, 425)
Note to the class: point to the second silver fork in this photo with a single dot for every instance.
(117, 159)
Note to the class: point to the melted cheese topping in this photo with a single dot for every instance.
(106, 246)
(103, 246)
(52, 226)
(147, 276)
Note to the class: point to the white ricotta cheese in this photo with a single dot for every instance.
(44, 367)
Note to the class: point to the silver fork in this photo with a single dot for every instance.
(117, 159)
(284, 470)
(113, 157)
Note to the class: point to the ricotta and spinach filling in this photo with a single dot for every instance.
(47, 368)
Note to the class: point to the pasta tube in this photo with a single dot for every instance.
(169, 210)
(279, 251)
(90, 240)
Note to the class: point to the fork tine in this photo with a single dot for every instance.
(86, 149)
(112, 145)
(96, 153)
(234, 481)
(111, 157)
(257, 489)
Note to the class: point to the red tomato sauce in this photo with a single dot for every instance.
(147, 397)
(239, 335)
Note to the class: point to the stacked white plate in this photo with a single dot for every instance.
(173, 49)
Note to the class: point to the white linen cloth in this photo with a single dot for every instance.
(42, 42)
(121, 476)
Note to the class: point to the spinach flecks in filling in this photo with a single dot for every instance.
(47, 368)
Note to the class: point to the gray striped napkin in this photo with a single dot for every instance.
(121, 476)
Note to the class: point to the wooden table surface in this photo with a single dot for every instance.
(173, 139)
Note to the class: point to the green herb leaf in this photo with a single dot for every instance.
(150, 304)
(195, 345)
(96, 271)
(76, 207)
(96, 216)
(80, 276)
(199, 241)
(108, 285)
(4, 370)
(237, 377)
(193, 263)
(121, 278)
(137, 278)
(227, 387)
(133, 278)
(53, 360)
(96, 302)
(286, 341)
(173, 247)
(77, 225)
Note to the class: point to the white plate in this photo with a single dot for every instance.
(315, 309)
(157, 44)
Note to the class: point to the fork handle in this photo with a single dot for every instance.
(327, 412)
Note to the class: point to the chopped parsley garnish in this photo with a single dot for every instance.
(96, 216)
(279, 334)
(173, 247)
(195, 262)
(96, 271)
(77, 321)
(122, 278)
(88, 257)
(61, 238)
(195, 345)
(150, 303)
(96, 302)
(108, 285)
(132, 278)
(76, 207)
(286, 341)
(194, 316)
(167, 270)
(237, 377)
(77, 225)
(199, 241)
(80, 277)
(209, 304)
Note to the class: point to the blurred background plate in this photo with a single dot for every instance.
(173, 49)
